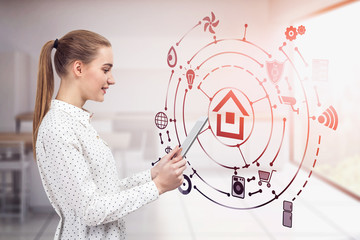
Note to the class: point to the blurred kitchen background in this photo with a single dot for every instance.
(141, 33)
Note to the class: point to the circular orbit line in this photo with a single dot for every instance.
(167, 91)
(307, 111)
(218, 190)
(220, 53)
(221, 165)
(228, 39)
(313, 166)
(177, 88)
(282, 138)
(184, 111)
(276, 196)
(308, 120)
(235, 208)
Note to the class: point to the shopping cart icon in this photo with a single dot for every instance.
(265, 177)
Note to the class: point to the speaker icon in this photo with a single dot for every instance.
(329, 118)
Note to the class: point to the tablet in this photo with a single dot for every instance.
(200, 123)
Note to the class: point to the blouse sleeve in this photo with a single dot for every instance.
(136, 179)
(69, 179)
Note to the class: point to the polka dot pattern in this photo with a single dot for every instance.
(79, 176)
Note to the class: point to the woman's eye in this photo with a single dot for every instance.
(106, 70)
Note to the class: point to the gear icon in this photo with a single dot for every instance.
(301, 30)
(291, 33)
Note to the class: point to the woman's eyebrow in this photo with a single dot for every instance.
(108, 64)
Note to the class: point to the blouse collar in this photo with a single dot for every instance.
(81, 114)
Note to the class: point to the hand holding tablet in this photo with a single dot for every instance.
(168, 175)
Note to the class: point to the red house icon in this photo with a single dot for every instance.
(230, 117)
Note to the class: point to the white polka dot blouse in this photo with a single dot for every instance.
(79, 176)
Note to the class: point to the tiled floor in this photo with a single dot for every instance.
(321, 213)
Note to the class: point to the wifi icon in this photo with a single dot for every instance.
(329, 118)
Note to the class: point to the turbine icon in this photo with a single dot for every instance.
(329, 118)
(211, 23)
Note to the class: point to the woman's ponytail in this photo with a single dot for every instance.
(45, 89)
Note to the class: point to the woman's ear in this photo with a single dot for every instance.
(77, 68)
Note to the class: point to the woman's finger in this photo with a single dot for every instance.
(171, 154)
(180, 163)
(177, 156)
(182, 169)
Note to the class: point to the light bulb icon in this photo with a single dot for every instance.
(190, 76)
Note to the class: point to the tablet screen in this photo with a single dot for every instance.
(200, 123)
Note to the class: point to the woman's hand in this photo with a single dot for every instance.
(156, 169)
(168, 172)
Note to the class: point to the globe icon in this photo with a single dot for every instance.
(161, 120)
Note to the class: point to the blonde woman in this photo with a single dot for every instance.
(77, 169)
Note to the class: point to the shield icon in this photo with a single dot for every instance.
(275, 70)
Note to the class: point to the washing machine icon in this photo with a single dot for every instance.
(238, 187)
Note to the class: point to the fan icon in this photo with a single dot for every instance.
(210, 23)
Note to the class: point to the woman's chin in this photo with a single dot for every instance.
(98, 99)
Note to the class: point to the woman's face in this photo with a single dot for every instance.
(98, 76)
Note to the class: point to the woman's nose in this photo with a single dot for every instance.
(111, 80)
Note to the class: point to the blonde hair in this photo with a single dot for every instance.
(80, 45)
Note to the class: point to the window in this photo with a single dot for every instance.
(333, 42)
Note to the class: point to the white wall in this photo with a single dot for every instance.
(141, 33)
(14, 90)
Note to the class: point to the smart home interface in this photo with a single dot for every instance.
(256, 94)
